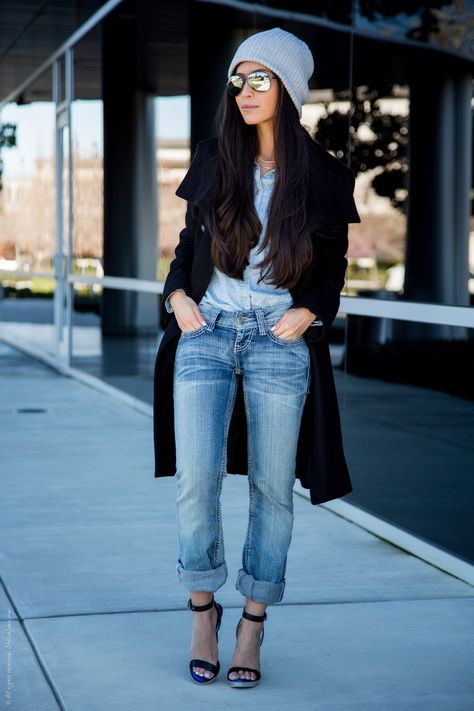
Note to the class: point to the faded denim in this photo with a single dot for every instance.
(276, 375)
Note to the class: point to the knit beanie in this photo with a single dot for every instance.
(286, 55)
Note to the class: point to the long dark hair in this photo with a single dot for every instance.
(233, 222)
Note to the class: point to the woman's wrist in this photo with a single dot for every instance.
(316, 321)
(173, 293)
(168, 304)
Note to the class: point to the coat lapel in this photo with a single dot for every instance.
(331, 188)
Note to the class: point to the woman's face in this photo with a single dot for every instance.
(263, 103)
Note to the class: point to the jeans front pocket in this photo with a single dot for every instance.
(283, 341)
(194, 332)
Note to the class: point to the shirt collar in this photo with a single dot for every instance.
(268, 174)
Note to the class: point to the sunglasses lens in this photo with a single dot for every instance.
(235, 85)
(260, 81)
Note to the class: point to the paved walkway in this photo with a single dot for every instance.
(401, 440)
(93, 617)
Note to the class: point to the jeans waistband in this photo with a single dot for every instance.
(260, 316)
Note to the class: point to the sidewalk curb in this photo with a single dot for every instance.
(399, 537)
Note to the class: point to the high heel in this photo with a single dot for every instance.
(245, 683)
(214, 668)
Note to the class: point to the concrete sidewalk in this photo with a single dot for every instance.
(93, 617)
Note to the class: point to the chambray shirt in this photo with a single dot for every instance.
(230, 294)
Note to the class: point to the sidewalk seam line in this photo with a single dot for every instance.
(42, 665)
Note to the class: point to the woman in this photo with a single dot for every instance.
(253, 289)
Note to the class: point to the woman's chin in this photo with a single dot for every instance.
(253, 120)
(250, 120)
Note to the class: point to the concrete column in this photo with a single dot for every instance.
(210, 52)
(463, 180)
(440, 165)
(130, 184)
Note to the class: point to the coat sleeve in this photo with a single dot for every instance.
(323, 284)
(180, 268)
(321, 292)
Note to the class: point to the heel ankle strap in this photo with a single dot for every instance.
(254, 618)
(200, 608)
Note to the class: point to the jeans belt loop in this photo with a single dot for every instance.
(262, 326)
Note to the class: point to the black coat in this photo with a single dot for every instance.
(320, 463)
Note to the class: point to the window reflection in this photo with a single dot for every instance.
(27, 215)
(28, 189)
(408, 414)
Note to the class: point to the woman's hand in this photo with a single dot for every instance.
(293, 323)
(186, 311)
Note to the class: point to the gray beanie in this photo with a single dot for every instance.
(286, 55)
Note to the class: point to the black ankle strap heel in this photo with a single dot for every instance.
(254, 618)
(245, 683)
(200, 608)
(209, 666)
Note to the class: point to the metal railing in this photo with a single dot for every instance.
(419, 312)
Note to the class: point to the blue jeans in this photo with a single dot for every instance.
(276, 374)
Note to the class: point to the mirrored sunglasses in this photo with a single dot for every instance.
(259, 81)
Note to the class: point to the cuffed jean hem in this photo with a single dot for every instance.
(202, 580)
(259, 590)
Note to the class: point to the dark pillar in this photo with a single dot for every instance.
(212, 43)
(130, 185)
(440, 164)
